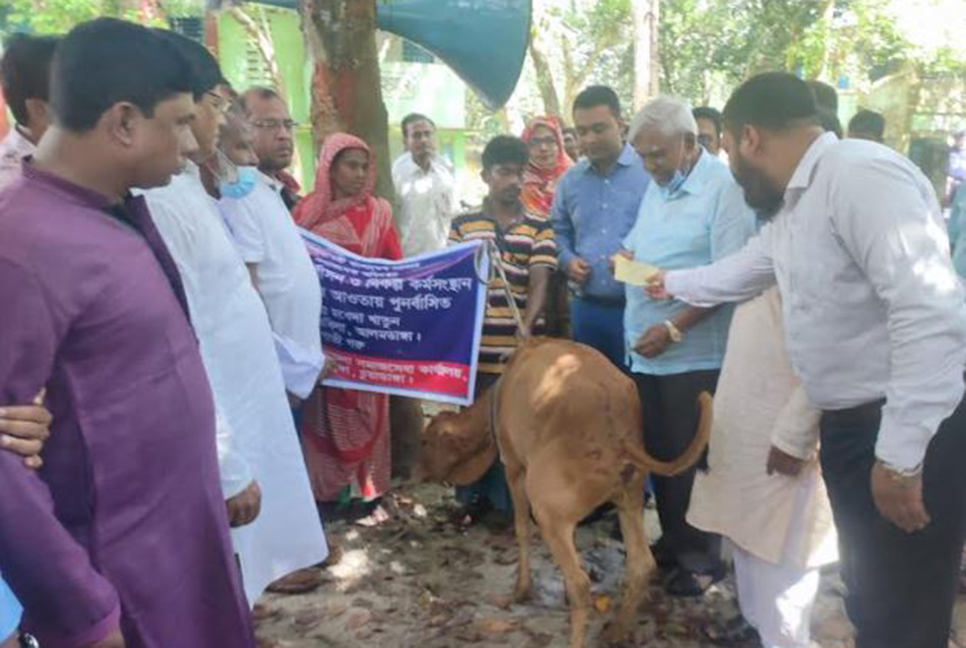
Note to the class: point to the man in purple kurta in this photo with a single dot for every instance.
(122, 538)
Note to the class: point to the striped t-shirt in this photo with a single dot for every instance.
(527, 244)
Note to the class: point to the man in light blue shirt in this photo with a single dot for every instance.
(692, 214)
(957, 230)
(10, 612)
(594, 208)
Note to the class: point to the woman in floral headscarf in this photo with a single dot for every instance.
(345, 433)
(548, 162)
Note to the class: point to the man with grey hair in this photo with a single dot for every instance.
(692, 214)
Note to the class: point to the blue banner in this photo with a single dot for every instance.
(409, 327)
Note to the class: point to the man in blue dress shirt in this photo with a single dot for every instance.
(594, 209)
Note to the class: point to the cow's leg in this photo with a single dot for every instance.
(559, 536)
(639, 562)
(516, 480)
(558, 505)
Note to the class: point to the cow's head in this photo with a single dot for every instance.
(456, 448)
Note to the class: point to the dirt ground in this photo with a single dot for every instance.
(422, 581)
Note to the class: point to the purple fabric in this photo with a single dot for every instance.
(126, 519)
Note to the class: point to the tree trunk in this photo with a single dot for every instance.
(647, 68)
(346, 85)
(548, 92)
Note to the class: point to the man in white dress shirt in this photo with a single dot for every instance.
(425, 189)
(270, 245)
(876, 331)
(24, 77)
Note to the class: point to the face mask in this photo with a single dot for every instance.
(672, 187)
(242, 185)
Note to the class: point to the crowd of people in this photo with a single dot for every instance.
(169, 451)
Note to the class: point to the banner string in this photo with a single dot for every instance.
(496, 267)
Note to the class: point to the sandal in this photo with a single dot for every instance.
(687, 584)
(736, 631)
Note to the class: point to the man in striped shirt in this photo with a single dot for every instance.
(529, 255)
(526, 246)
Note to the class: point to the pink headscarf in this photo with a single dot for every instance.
(320, 206)
(539, 184)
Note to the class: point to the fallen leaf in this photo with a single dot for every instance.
(495, 626)
(357, 620)
(602, 603)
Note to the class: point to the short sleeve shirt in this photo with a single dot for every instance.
(527, 244)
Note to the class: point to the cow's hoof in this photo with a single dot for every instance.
(614, 634)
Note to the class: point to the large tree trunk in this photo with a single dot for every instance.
(548, 92)
(647, 70)
(346, 85)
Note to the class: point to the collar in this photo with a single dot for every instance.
(627, 158)
(806, 166)
(695, 183)
(77, 193)
(272, 183)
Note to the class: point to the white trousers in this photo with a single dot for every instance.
(776, 599)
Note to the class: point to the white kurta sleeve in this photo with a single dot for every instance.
(236, 473)
(300, 367)
(796, 430)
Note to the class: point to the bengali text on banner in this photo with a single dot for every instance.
(409, 327)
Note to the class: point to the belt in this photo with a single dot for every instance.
(613, 302)
(865, 414)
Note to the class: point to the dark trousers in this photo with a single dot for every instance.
(902, 586)
(601, 326)
(670, 408)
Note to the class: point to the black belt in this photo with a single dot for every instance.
(865, 414)
(611, 302)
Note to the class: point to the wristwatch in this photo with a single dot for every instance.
(673, 331)
(901, 474)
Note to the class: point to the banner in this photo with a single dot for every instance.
(408, 327)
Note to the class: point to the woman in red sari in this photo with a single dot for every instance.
(345, 433)
(548, 162)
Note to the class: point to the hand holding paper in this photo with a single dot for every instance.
(635, 273)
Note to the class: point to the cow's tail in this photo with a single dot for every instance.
(689, 457)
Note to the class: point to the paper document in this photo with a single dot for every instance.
(635, 273)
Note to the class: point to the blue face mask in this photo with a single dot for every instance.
(242, 185)
(672, 187)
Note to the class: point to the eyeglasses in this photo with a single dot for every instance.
(218, 102)
(275, 125)
(537, 142)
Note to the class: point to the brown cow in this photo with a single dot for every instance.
(567, 425)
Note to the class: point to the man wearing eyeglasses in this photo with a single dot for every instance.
(274, 138)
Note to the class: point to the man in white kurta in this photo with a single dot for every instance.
(780, 525)
(239, 354)
(270, 245)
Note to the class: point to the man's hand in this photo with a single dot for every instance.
(24, 429)
(655, 286)
(245, 507)
(331, 364)
(654, 342)
(627, 254)
(578, 271)
(113, 640)
(899, 498)
(783, 463)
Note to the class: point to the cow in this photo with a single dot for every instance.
(567, 426)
